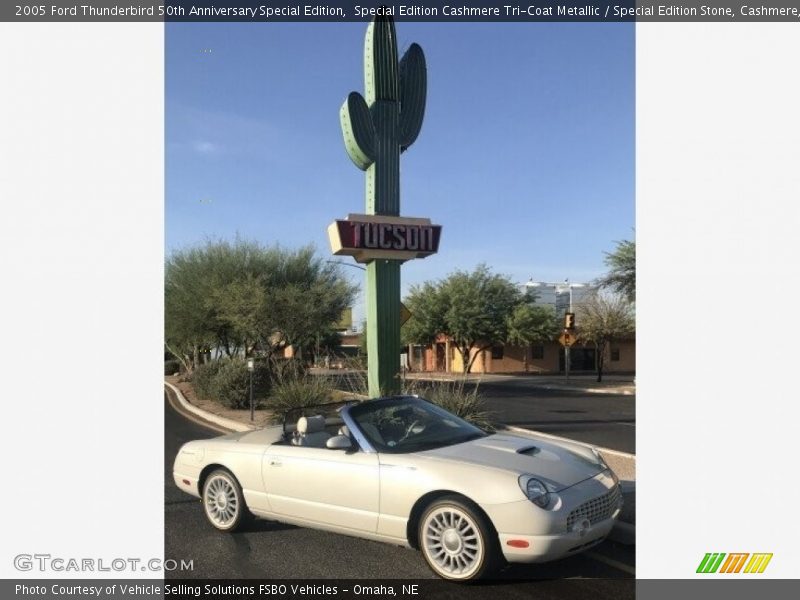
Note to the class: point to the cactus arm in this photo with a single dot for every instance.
(380, 61)
(413, 90)
(358, 131)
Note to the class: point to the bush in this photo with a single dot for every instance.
(352, 378)
(203, 376)
(454, 397)
(287, 368)
(172, 366)
(298, 392)
(231, 384)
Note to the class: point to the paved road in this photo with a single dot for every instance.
(273, 550)
(607, 420)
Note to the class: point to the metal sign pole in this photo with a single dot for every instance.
(251, 365)
(568, 357)
(377, 127)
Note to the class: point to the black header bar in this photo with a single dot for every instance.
(262, 11)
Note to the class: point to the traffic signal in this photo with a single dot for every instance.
(569, 320)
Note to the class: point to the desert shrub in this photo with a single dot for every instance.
(297, 392)
(172, 366)
(455, 397)
(286, 368)
(231, 383)
(203, 376)
(351, 378)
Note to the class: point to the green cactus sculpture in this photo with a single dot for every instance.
(376, 130)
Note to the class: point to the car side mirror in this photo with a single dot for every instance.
(339, 442)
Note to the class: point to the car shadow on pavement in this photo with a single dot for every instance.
(259, 525)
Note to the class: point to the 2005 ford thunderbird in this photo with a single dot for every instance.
(404, 471)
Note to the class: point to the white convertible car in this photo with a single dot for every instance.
(404, 471)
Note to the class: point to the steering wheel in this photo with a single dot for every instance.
(409, 430)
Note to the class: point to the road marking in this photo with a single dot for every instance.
(611, 562)
(191, 417)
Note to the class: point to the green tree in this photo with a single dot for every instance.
(192, 323)
(428, 306)
(472, 308)
(621, 276)
(603, 318)
(242, 295)
(242, 304)
(309, 299)
(531, 324)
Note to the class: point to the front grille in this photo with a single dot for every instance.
(596, 510)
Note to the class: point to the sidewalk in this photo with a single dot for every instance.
(611, 384)
(624, 465)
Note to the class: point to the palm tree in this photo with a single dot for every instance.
(621, 276)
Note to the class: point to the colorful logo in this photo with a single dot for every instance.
(719, 562)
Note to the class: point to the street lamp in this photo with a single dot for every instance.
(251, 365)
(559, 288)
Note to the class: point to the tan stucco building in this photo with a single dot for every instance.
(547, 358)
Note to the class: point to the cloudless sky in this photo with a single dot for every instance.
(526, 155)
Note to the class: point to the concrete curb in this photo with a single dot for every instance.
(586, 390)
(537, 386)
(204, 414)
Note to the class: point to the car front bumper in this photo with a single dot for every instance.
(186, 483)
(576, 519)
(544, 548)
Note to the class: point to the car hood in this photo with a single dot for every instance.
(558, 465)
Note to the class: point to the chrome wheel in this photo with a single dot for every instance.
(452, 542)
(222, 501)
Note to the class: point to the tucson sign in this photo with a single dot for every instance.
(370, 237)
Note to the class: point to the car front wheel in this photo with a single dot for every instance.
(223, 501)
(456, 541)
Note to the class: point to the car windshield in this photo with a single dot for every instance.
(402, 425)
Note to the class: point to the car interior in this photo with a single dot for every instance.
(310, 431)
(314, 431)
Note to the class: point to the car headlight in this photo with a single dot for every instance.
(535, 490)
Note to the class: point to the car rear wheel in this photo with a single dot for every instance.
(457, 541)
(223, 501)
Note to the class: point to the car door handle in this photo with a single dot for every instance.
(274, 462)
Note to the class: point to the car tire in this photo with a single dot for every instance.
(223, 501)
(457, 541)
